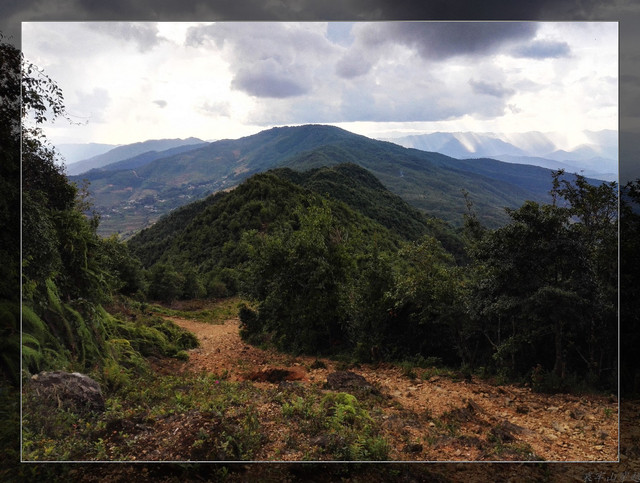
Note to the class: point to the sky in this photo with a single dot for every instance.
(125, 82)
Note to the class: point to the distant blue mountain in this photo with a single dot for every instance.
(72, 153)
(128, 151)
(597, 158)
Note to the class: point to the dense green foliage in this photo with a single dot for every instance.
(364, 193)
(208, 236)
(337, 264)
(68, 271)
(541, 301)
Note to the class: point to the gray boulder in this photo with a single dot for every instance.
(68, 390)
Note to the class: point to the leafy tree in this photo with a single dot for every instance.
(298, 277)
(193, 286)
(594, 221)
(165, 283)
(369, 306)
(124, 271)
(67, 270)
(545, 285)
(532, 286)
(427, 302)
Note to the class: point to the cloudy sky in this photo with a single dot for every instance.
(126, 82)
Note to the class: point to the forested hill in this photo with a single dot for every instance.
(130, 199)
(363, 192)
(208, 234)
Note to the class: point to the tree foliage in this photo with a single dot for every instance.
(298, 277)
(545, 285)
(67, 270)
(629, 288)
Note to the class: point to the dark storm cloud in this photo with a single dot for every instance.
(442, 40)
(145, 35)
(542, 49)
(268, 80)
(432, 41)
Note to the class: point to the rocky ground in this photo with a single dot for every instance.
(427, 415)
(465, 429)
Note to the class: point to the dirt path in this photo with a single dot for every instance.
(556, 427)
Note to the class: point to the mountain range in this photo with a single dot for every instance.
(596, 157)
(74, 152)
(137, 192)
(127, 151)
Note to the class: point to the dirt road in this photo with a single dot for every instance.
(555, 427)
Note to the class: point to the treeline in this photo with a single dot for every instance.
(535, 300)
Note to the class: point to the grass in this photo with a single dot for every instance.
(336, 426)
(186, 417)
(212, 312)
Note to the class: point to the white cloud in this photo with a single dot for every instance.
(146, 80)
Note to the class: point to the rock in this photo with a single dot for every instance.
(502, 434)
(346, 380)
(413, 448)
(323, 440)
(576, 414)
(275, 375)
(73, 391)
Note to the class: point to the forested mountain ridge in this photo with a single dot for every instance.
(208, 234)
(130, 199)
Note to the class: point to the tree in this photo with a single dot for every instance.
(530, 287)
(594, 221)
(298, 277)
(427, 302)
(165, 283)
(546, 284)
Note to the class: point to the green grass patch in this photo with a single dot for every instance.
(336, 426)
(187, 417)
(212, 312)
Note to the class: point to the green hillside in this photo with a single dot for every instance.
(131, 199)
(210, 234)
(364, 193)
